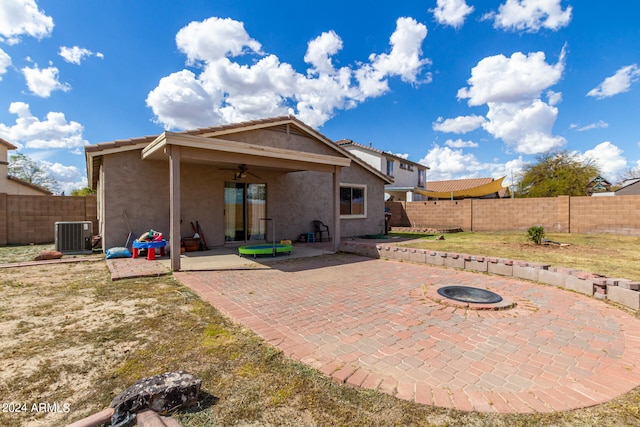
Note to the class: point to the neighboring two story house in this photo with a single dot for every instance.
(407, 176)
(10, 184)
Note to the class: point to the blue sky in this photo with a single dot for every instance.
(470, 88)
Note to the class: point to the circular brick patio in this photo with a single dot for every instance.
(375, 324)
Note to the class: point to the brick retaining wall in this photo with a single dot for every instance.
(615, 215)
(621, 291)
(31, 219)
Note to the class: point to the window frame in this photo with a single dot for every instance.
(351, 186)
(390, 167)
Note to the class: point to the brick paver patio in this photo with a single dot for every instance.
(370, 323)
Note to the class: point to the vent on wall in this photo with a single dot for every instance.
(74, 237)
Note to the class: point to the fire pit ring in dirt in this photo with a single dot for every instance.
(469, 295)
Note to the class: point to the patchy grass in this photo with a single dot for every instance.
(11, 254)
(607, 254)
(70, 335)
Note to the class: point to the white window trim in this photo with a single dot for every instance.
(366, 197)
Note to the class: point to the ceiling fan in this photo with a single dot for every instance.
(241, 172)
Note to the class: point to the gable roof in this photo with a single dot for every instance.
(288, 124)
(7, 144)
(348, 142)
(28, 184)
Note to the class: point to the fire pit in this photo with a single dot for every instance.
(470, 295)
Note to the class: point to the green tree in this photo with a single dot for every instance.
(27, 169)
(557, 174)
(85, 191)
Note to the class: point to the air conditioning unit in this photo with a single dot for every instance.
(74, 237)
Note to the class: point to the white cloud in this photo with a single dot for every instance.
(68, 177)
(600, 124)
(401, 155)
(531, 15)
(460, 124)
(53, 132)
(459, 143)
(215, 38)
(618, 83)
(512, 88)
(554, 98)
(320, 50)
(43, 81)
(608, 157)
(76, 54)
(501, 79)
(525, 126)
(451, 12)
(5, 62)
(22, 17)
(446, 163)
(229, 91)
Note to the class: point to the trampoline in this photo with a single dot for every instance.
(273, 250)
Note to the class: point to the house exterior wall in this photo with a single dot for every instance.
(373, 159)
(374, 223)
(12, 187)
(404, 177)
(294, 199)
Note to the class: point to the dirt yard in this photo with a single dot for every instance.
(71, 340)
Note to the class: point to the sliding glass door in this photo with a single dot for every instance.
(244, 207)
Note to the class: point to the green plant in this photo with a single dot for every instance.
(536, 234)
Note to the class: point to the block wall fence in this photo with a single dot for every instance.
(565, 214)
(31, 219)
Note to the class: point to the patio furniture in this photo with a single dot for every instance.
(150, 247)
(319, 227)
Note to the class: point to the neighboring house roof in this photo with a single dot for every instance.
(629, 187)
(628, 182)
(472, 187)
(7, 144)
(598, 184)
(456, 184)
(348, 142)
(285, 123)
(28, 184)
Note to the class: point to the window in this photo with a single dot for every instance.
(353, 202)
(389, 167)
(422, 175)
(410, 167)
(403, 165)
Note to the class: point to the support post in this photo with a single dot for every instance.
(336, 209)
(174, 205)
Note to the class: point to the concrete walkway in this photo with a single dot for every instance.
(372, 324)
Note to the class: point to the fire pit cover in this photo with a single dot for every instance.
(469, 294)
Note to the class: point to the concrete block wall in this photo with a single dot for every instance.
(434, 213)
(621, 291)
(617, 215)
(564, 214)
(31, 219)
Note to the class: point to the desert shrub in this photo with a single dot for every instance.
(536, 234)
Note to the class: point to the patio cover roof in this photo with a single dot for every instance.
(494, 186)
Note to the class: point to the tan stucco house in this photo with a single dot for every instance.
(408, 177)
(230, 177)
(11, 184)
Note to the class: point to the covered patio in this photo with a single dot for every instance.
(181, 150)
(247, 183)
